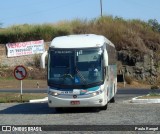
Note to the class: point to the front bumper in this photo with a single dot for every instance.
(95, 101)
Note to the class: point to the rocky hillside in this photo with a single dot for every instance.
(137, 42)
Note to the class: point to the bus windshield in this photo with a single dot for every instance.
(75, 67)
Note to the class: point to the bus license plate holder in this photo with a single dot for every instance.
(75, 102)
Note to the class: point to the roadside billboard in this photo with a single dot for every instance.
(25, 48)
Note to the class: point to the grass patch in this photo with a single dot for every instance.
(125, 34)
(150, 96)
(27, 84)
(16, 97)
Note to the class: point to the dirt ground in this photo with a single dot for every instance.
(134, 84)
(33, 84)
(27, 84)
(35, 78)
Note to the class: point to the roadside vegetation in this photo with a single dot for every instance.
(12, 83)
(153, 93)
(16, 97)
(125, 34)
(150, 96)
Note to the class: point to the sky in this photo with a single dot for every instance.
(15, 12)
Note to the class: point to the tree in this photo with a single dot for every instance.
(154, 24)
(1, 24)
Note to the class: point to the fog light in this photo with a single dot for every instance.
(100, 100)
(97, 93)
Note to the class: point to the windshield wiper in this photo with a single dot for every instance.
(81, 75)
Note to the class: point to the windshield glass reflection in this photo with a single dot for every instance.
(75, 67)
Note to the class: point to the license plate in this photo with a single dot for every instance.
(75, 102)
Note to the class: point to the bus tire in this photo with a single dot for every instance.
(112, 100)
(58, 109)
(104, 107)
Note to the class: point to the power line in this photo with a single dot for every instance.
(48, 9)
(101, 7)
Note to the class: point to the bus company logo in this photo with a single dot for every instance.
(6, 128)
(74, 96)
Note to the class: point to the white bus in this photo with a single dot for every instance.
(82, 71)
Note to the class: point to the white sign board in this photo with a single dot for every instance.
(25, 48)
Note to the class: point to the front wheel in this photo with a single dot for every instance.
(104, 107)
(59, 110)
(112, 100)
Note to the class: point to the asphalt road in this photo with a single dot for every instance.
(120, 91)
(122, 112)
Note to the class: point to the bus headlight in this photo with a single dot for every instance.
(94, 94)
(53, 93)
(97, 92)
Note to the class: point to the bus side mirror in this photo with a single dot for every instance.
(42, 60)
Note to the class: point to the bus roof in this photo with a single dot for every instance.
(79, 41)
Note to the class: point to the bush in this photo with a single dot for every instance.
(125, 34)
(36, 60)
(154, 87)
(128, 79)
(21, 33)
(37, 74)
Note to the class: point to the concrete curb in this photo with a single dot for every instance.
(144, 101)
(39, 100)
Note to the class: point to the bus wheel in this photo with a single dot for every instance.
(104, 107)
(59, 109)
(112, 100)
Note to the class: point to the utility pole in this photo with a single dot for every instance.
(101, 7)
